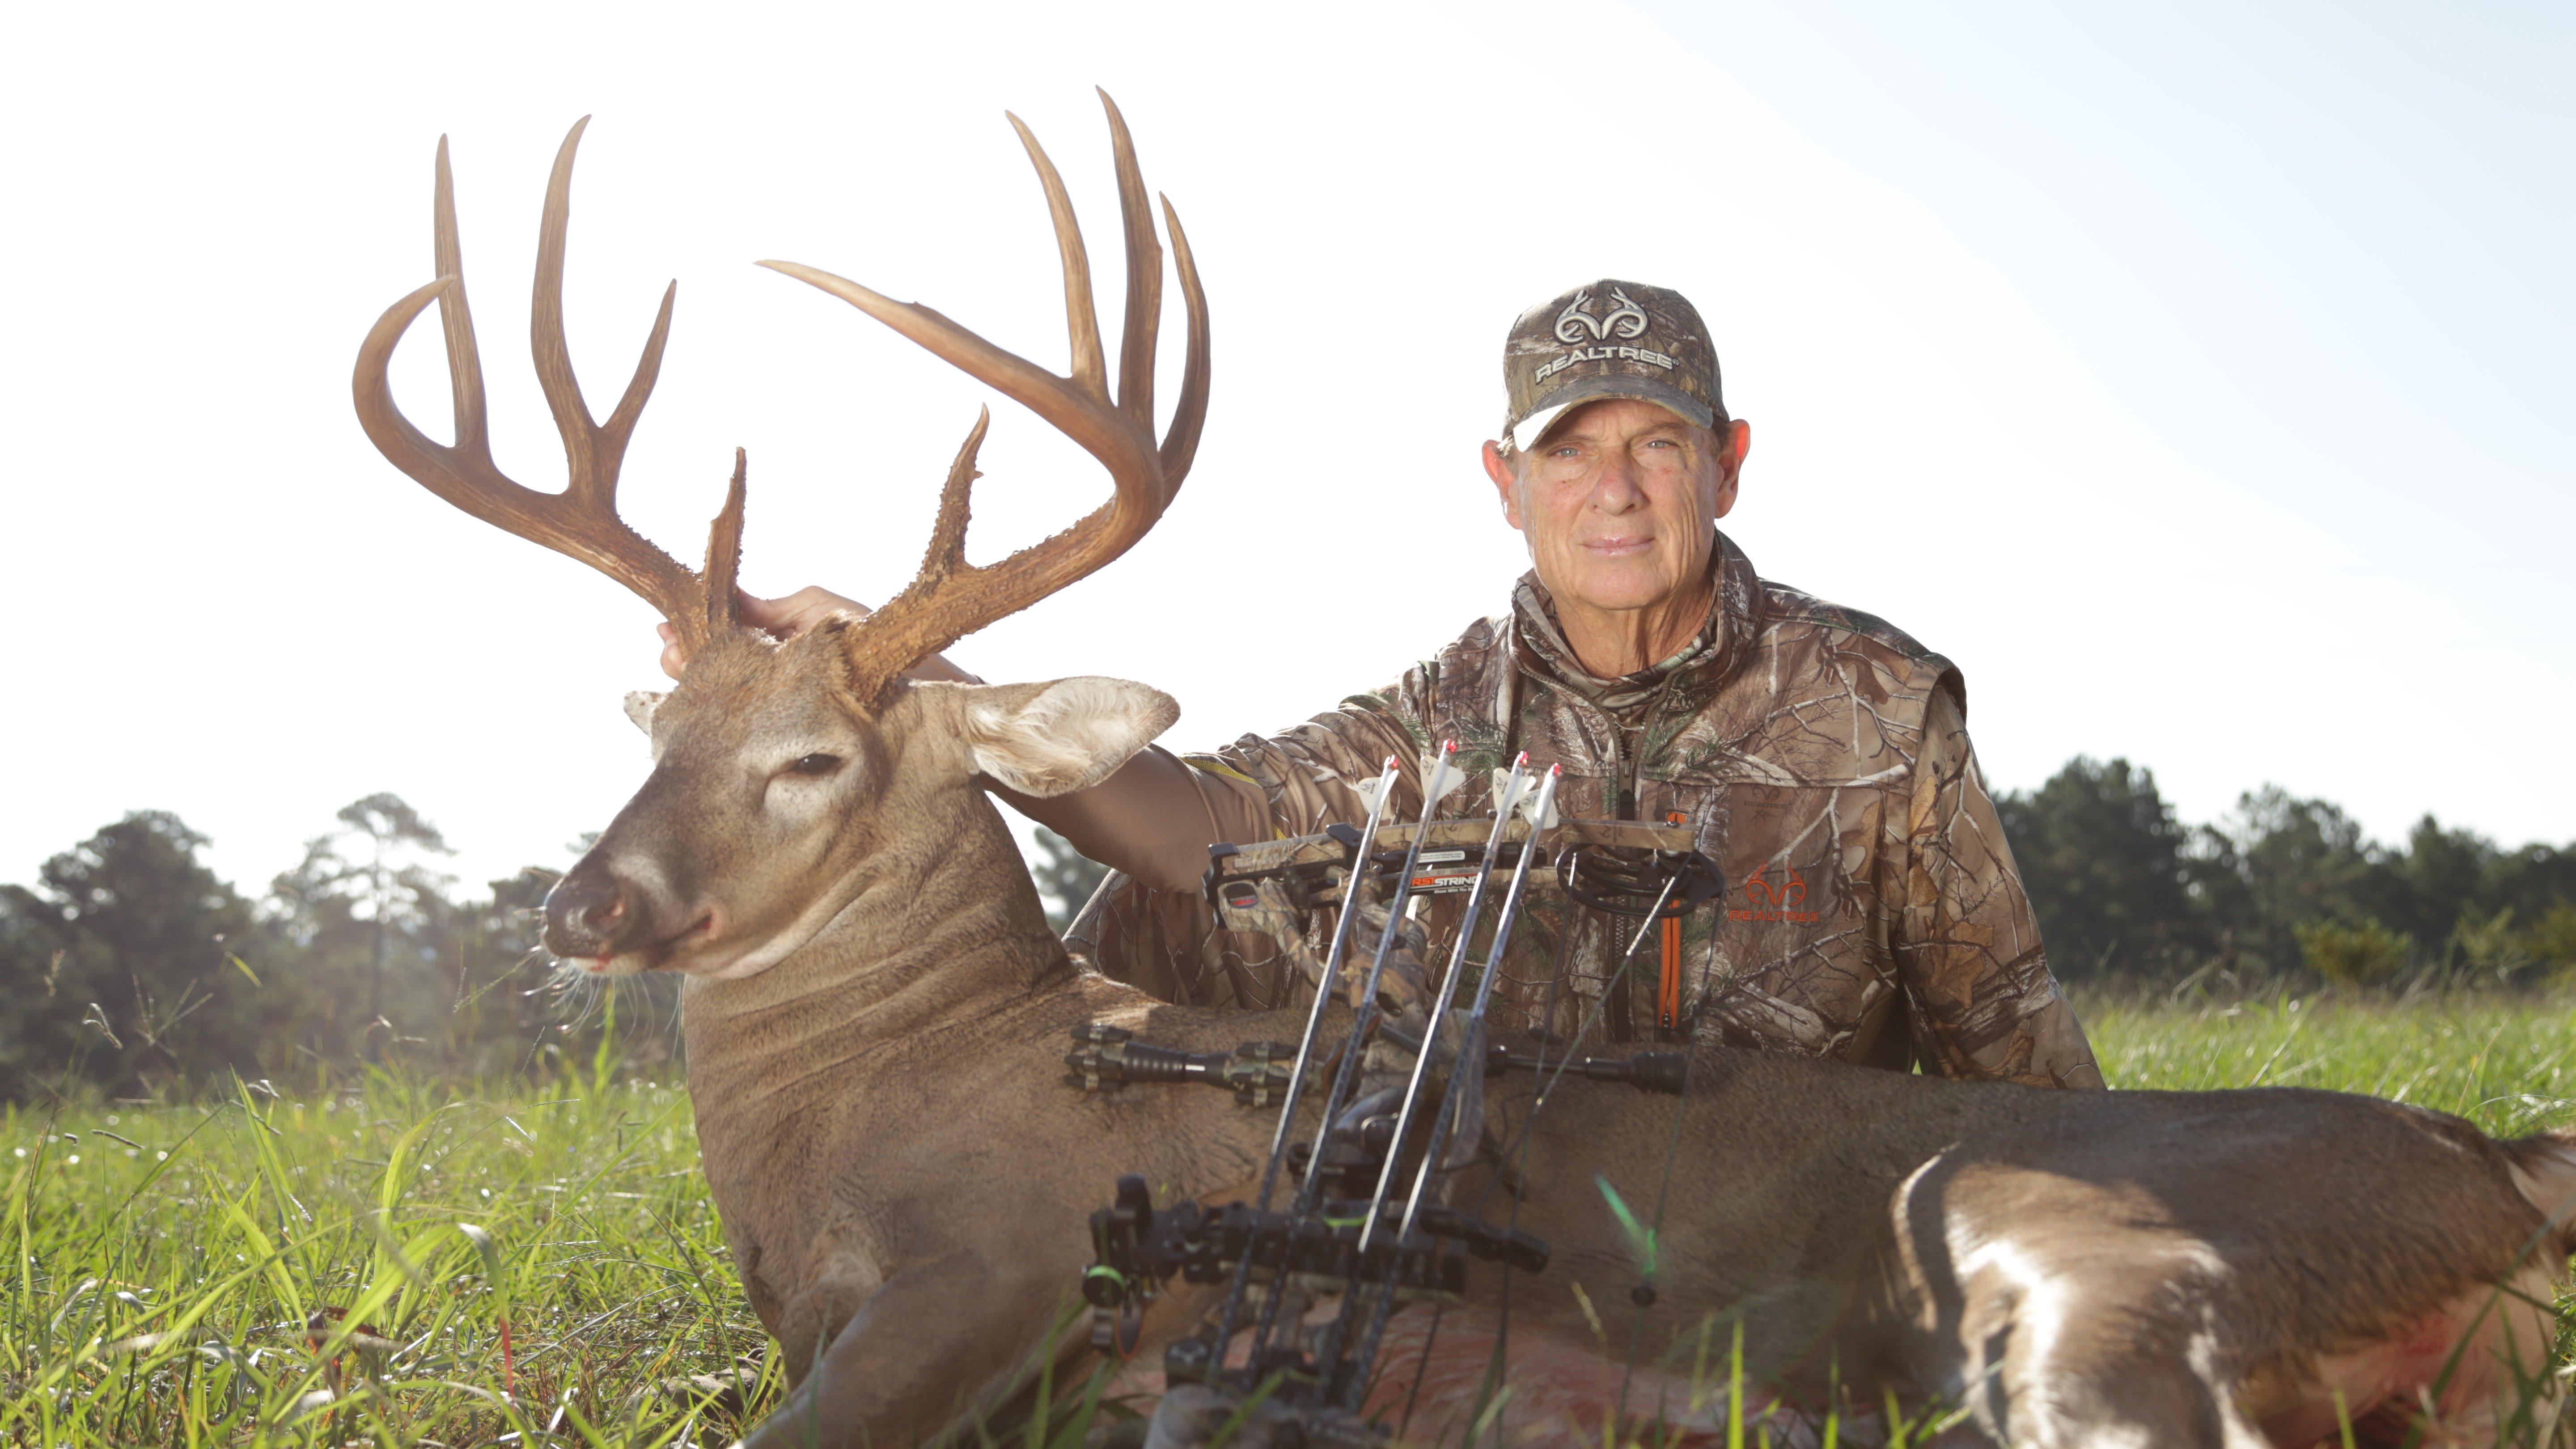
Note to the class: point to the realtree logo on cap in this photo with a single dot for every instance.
(1608, 339)
(1577, 325)
(1572, 324)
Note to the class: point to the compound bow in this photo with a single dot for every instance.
(1353, 1226)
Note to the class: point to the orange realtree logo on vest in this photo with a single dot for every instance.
(1774, 902)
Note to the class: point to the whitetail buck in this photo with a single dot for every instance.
(875, 1012)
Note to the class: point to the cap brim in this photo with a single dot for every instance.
(1527, 432)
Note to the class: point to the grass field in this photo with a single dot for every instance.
(389, 1262)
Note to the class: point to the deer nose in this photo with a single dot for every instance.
(585, 911)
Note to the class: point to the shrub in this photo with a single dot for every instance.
(2353, 955)
(2551, 940)
(2489, 946)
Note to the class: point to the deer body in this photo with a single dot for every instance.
(877, 1011)
(905, 1180)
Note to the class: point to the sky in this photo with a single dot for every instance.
(2193, 375)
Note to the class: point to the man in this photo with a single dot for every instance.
(1819, 754)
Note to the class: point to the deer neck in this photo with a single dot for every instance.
(940, 925)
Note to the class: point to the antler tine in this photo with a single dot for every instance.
(1100, 431)
(946, 555)
(914, 624)
(582, 521)
(947, 551)
(724, 557)
(1144, 277)
(456, 321)
(1090, 369)
(1181, 443)
(951, 598)
(594, 450)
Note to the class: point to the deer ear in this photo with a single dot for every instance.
(640, 706)
(1067, 735)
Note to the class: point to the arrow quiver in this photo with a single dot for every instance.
(1106, 1057)
(1613, 856)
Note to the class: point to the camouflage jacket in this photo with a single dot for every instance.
(1872, 910)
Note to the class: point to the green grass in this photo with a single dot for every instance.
(164, 1260)
(2507, 1063)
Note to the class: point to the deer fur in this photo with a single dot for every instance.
(875, 1020)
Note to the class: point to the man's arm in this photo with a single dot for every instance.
(1152, 820)
(1967, 945)
(1160, 934)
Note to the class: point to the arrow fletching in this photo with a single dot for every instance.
(1368, 790)
(1445, 776)
(1539, 807)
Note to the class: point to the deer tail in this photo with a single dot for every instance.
(2544, 1167)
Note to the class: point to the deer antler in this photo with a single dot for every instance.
(582, 520)
(951, 598)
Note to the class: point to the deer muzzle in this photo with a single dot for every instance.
(617, 921)
(589, 913)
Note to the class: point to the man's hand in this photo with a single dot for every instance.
(783, 618)
(787, 617)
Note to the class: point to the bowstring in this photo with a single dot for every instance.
(1538, 1101)
(1503, 1317)
(1672, 1150)
(1655, 1235)
(1422, 1364)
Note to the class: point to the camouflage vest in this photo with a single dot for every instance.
(1819, 754)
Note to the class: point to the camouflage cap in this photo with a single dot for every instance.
(1608, 339)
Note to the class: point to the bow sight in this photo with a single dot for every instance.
(1361, 1222)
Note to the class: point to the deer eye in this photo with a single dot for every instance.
(815, 765)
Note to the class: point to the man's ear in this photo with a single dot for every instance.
(1055, 738)
(640, 706)
(1732, 446)
(1507, 481)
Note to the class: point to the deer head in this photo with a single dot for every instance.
(781, 769)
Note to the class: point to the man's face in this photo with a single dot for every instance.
(1619, 501)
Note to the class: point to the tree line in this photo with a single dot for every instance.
(2280, 888)
(131, 968)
